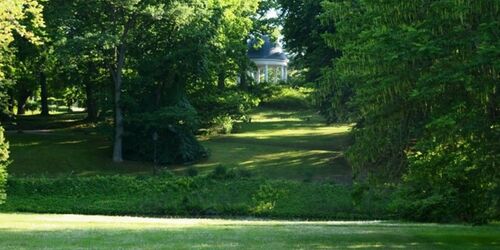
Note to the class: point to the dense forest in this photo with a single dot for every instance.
(417, 79)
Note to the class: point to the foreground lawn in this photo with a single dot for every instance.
(276, 144)
(28, 231)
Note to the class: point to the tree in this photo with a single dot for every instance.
(12, 14)
(425, 101)
(4, 161)
(183, 53)
(303, 35)
(232, 22)
(111, 26)
(16, 17)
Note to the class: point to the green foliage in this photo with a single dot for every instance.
(183, 196)
(191, 172)
(288, 98)
(4, 161)
(263, 90)
(164, 136)
(420, 80)
(282, 96)
(222, 124)
(303, 31)
(265, 198)
(23, 17)
(220, 109)
(450, 182)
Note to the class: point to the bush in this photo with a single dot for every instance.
(287, 97)
(222, 125)
(264, 90)
(220, 109)
(440, 188)
(164, 136)
(4, 157)
(184, 196)
(192, 172)
(219, 172)
(31, 105)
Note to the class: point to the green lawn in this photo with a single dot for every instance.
(276, 144)
(41, 231)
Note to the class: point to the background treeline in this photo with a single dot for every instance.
(420, 81)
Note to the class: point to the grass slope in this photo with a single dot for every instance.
(29, 231)
(276, 144)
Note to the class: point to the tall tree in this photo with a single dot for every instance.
(232, 21)
(4, 160)
(111, 26)
(12, 15)
(303, 35)
(425, 81)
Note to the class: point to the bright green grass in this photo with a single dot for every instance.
(276, 144)
(281, 144)
(30, 231)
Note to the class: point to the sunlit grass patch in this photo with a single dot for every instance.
(112, 232)
(284, 144)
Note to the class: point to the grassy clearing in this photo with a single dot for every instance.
(276, 144)
(42, 231)
(284, 144)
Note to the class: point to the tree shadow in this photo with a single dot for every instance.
(245, 236)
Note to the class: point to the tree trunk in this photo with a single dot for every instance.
(221, 80)
(44, 94)
(21, 102)
(243, 81)
(116, 72)
(12, 102)
(91, 104)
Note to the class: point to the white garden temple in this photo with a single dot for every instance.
(270, 60)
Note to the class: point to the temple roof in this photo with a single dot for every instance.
(268, 50)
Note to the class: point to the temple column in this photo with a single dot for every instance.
(266, 73)
(286, 74)
(257, 76)
(276, 76)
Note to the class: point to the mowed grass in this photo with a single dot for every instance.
(43, 231)
(65, 152)
(276, 144)
(284, 144)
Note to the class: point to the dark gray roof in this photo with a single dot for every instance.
(268, 50)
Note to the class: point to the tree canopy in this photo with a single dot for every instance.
(420, 79)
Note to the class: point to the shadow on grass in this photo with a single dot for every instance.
(38, 122)
(61, 152)
(277, 236)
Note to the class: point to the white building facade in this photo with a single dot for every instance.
(270, 61)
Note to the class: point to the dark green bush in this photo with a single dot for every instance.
(264, 90)
(438, 187)
(164, 136)
(219, 172)
(4, 157)
(192, 172)
(184, 196)
(219, 109)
